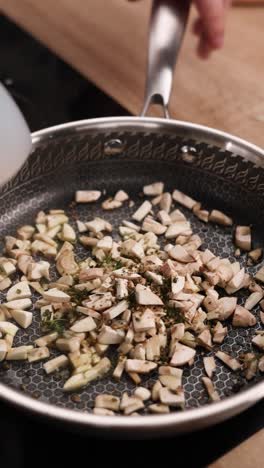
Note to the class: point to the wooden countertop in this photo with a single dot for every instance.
(106, 41)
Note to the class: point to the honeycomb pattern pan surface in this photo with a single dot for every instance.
(82, 160)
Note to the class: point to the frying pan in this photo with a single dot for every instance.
(220, 170)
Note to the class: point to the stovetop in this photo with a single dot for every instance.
(49, 92)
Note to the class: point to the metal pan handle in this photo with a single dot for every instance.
(167, 25)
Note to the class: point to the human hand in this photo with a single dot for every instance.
(210, 25)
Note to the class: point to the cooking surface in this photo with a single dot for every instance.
(56, 83)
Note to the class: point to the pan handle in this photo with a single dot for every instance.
(167, 25)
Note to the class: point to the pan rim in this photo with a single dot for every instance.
(151, 123)
(176, 420)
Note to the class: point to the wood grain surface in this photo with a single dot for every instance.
(249, 454)
(106, 40)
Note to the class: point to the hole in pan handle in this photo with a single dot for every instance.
(167, 25)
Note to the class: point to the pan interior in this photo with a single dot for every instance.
(63, 164)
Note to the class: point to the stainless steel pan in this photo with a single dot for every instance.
(216, 168)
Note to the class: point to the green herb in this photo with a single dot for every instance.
(175, 314)
(49, 324)
(110, 262)
(18, 291)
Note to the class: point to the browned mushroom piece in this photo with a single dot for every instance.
(243, 237)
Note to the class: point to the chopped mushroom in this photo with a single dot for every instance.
(55, 364)
(253, 299)
(158, 408)
(144, 296)
(182, 355)
(121, 196)
(213, 395)
(3, 350)
(22, 317)
(255, 255)
(243, 237)
(38, 354)
(142, 211)
(258, 341)
(139, 366)
(243, 318)
(218, 217)
(209, 365)
(153, 189)
(110, 402)
(170, 398)
(183, 199)
(228, 360)
(87, 196)
(260, 274)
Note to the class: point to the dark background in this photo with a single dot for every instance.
(49, 92)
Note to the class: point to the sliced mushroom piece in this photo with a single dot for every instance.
(142, 211)
(261, 364)
(130, 225)
(68, 345)
(262, 317)
(87, 196)
(209, 365)
(38, 270)
(137, 250)
(243, 318)
(46, 340)
(253, 299)
(143, 321)
(169, 398)
(156, 200)
(225, 307)
(18, 291)
(88, 241)
(131, 404)
(38, 354)
(237, 281)
(8, 267)
(68, 233)
(255, 255)
(219, 333)
(181, 255)
(228, 360)
(110, 402)
(144, 296)
(150, 225)
(204, 339)
(182, 355)
(158, 408)
(19, 304)
(258, 341)
(106, 244)
(142, 393)
(177, 284)
(178, 228)
(243, 237)
(55, 364)
(139, 366)
(212, 393)
(120, 367)
(109, 336)
(3, 350)
(203, 215)
(260, 274)
(218, 217)
(172, 382)
(18, 354)
(116, 310)
(121, 288)
(98, 370)
(55, 295)
(153, 348)
(81, 226)
(164, 218)
(155, 390)
(153, 189)
(88, 274)
(154, 277)
(250, 365)
(84, 325)
(121, 196)
(75, 382)
(22, 317)
(5, 283)
(55, 219)
(165, 202)
(183, 199)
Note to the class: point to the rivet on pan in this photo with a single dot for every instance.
(188, 153)
(114, 146)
